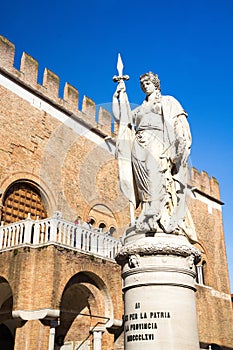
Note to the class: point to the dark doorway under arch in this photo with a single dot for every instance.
(6, 338)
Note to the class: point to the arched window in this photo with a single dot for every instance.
(112, 230)
(92, 222)
(102, 226)
(103, 216)
(19, 200)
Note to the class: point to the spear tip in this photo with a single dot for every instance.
(120, 65)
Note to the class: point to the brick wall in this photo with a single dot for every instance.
(83, 288)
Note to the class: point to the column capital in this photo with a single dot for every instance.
(28, 315)
(99, 329)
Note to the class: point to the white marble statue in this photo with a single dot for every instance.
(153, 147)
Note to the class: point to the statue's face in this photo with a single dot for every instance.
(147, 86)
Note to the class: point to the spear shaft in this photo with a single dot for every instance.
(125, 104)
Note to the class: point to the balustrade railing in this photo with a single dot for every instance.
(53, 230)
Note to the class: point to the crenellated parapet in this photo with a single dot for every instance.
(28, 75)
(205, 183)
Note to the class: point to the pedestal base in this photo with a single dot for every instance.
(159, 294)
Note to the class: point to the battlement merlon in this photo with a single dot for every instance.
(29, 68)
(7, 53)
(104, 120)
(28, 76)
(206, 184)
(71, 96)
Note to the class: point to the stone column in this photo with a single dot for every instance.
(51, 338)
(52, 332)
(33, 332)
(159, 294)
(97, 338)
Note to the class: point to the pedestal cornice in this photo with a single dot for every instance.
(160, 244)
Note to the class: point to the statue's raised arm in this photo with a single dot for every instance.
(123, 116)
(153, 147)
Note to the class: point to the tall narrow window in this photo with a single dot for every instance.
(20, 199)
(200, 269)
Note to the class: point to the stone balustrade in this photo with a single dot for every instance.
(61, 232)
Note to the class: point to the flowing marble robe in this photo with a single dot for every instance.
(153, 146)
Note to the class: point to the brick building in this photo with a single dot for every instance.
(60, 287)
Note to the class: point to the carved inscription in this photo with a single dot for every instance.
(142, 325)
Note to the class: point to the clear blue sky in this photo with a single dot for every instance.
(188, 43)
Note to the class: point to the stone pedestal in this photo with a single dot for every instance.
(159, 294)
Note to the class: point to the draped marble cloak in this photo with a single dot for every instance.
(175, 146)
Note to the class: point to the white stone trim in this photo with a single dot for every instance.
(29, 315)
(220, 295)
(215, 293)
(211, 204)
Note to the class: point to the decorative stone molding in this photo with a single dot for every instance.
(28, 315)
(161, 244)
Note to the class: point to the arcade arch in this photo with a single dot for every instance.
(85, 304)
(7, 327)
